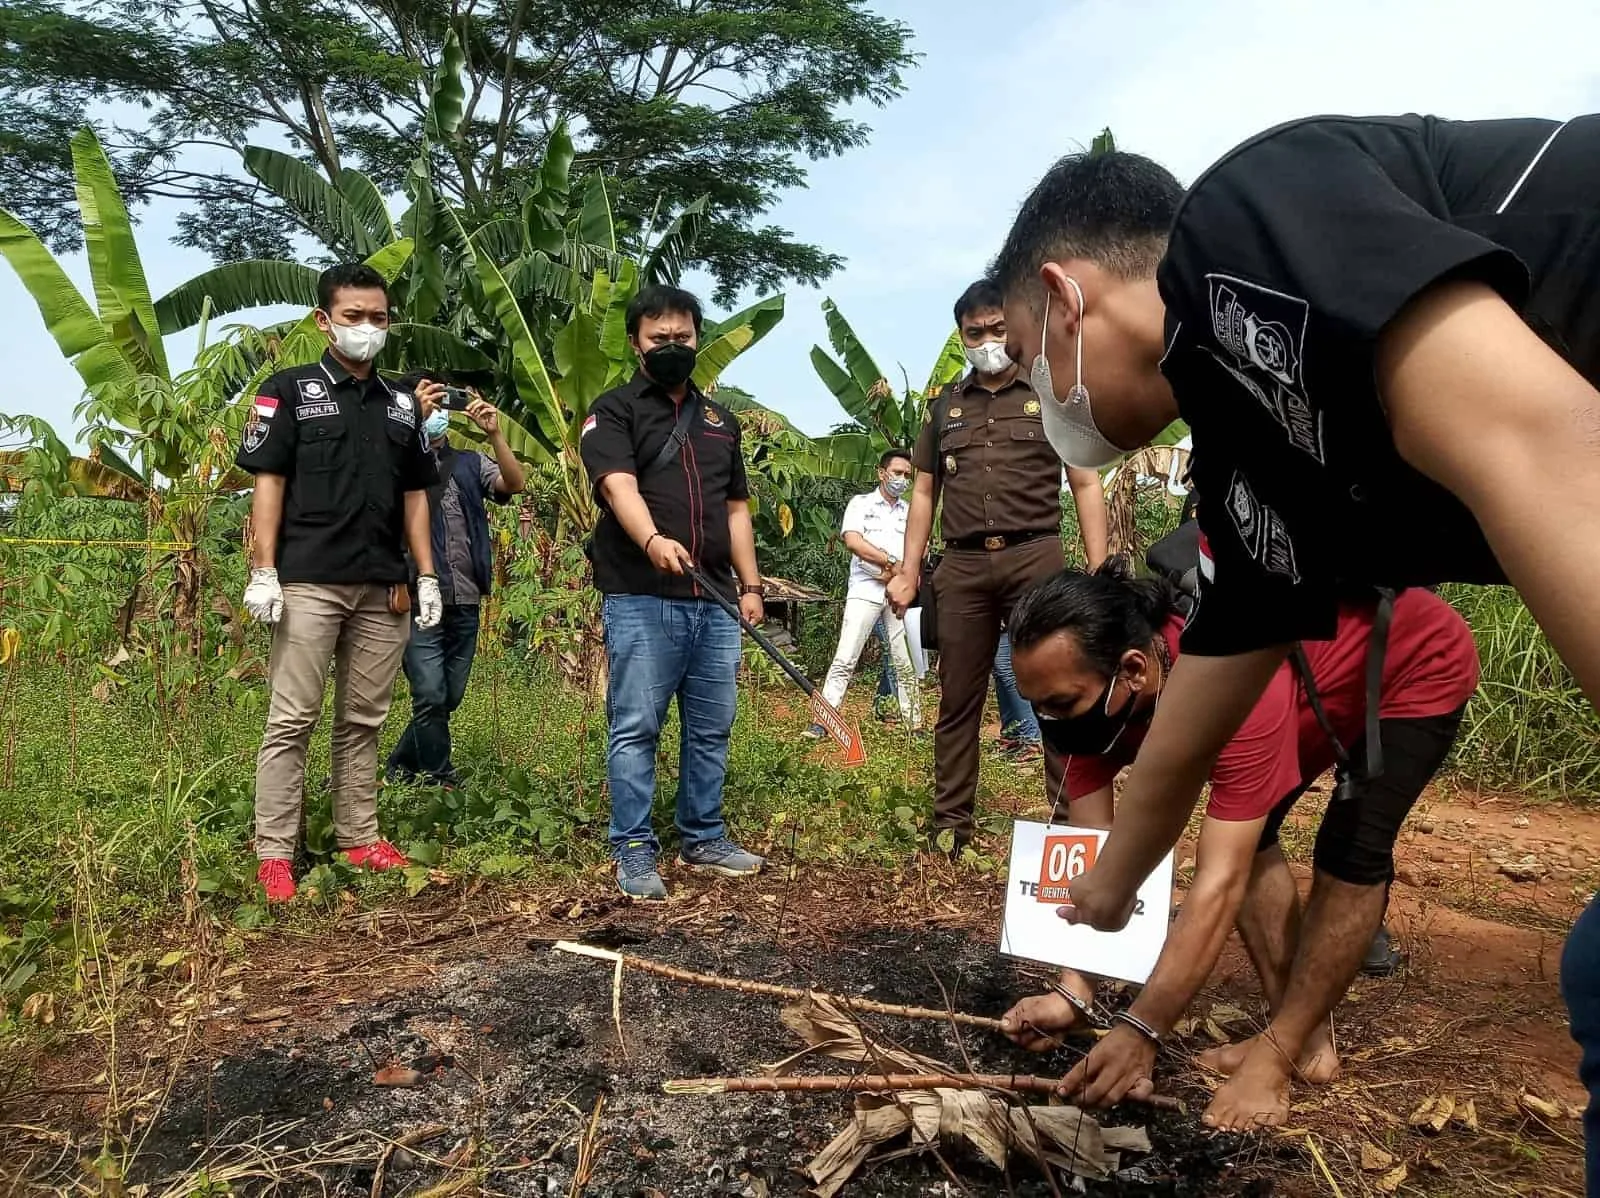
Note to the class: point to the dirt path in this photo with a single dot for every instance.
(517, 1043)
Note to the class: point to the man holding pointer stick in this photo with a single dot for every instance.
(668, 472)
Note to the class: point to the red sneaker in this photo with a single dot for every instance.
(378, 855)
(277, 879)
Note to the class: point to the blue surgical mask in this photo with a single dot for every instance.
(436, 424)
(896, 485)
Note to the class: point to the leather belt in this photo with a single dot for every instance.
(998, 540)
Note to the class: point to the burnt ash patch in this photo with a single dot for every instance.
(515, 1051)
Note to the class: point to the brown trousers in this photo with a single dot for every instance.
(353, 627)
(974, 591)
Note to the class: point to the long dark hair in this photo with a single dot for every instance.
(1107, 612)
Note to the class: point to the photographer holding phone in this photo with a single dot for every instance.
(438, 660)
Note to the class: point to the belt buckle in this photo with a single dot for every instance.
(992, 543)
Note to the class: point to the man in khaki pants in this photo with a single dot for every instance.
(341, 474)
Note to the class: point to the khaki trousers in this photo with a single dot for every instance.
(352, 626)
(974, 590)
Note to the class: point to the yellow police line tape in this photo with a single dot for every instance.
(173, 545)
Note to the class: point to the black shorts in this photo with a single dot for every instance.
(1355, 843)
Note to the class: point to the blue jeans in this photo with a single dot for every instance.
(1580, 989)
(1016, 714)
(657, 648)
(437, 663)
(887, 684)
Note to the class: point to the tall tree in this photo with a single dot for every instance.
(671, 99)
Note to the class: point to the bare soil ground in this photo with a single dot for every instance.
(262, 1069)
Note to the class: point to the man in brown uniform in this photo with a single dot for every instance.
(984, 451)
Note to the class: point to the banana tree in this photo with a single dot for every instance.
(161, 437)
(882, 418)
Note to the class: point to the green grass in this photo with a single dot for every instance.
(140, 788)
(145, 770)
(1528, 727)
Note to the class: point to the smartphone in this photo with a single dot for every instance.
(456, 399)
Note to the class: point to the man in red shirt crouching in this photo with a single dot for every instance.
(1091, 652)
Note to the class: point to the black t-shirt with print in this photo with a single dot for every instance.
(1286, 261)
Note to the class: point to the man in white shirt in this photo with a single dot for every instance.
(874, 529)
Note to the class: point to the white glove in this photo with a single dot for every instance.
(263, 597)
(430, 605)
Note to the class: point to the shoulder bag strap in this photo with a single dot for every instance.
(676, 439)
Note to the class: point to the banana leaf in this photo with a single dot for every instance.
(666, 260)
(595, 226)
(234, 286)
(949, 366)
(415, 346)
(760, 317)
(848, 346)
(583, 367)
(614, 325)
(85, 477)
(852, 398)
(447, 101)
(318, 202)
(543, 418)
(555, 172)
(368, 203)
(67, 315)
(119, 280)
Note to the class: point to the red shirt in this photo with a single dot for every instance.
(1429, 669)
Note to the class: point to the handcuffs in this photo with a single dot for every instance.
(1086, 1009)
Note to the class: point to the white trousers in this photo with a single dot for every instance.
(859, 617)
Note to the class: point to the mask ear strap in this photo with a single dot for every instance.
(1078, 340)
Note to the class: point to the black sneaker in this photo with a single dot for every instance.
(1383, 959)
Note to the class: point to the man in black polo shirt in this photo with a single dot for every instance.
(667, 468)
(341, 473)
(1385, 336)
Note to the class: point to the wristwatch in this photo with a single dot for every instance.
(751, 590)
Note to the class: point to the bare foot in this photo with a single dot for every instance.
(1318, 1063)
(1319, 1060)
(1225, 1058)
(1039, 1021)
(1256, 1096)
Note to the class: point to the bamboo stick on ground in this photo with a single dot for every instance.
(770, 990)
(881, 1083)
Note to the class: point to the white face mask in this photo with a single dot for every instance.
(358, 342)
(1068, 422)
(988, 358)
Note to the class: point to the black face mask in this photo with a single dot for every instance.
(670, 364)
(1092, 733)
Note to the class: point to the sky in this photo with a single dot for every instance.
(1001, 90)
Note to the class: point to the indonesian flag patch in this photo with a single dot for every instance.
(266, 406)
(1208, 566)
(588, 427)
